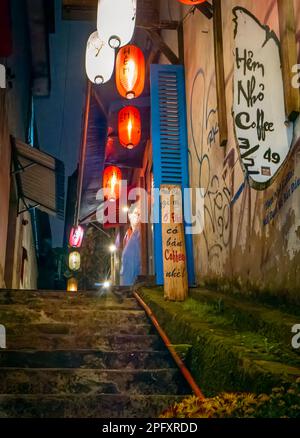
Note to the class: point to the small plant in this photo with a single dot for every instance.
(283, 402)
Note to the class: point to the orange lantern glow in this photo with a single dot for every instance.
(192, 2)
(72, 285)
(112, 177)
(129, 127)
(130, 72)
(76, 237)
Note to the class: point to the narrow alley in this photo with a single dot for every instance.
(150, 214)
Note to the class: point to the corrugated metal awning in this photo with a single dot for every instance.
(40, 179)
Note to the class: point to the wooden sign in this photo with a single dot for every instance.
(173, 244)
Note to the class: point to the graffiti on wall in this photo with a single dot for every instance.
(281, 195)
(263, 136)
(216, 186)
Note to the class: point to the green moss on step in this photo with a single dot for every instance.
(182, 350)
(225, 355)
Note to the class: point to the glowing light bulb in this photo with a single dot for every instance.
(112, 248)
(130, 145)
(132, 76)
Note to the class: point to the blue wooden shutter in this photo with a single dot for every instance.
(170, 146)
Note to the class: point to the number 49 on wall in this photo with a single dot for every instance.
(273, 157)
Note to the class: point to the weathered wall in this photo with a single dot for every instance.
(14, 105)
(30, 268)
(238, 244)
(4, 182)
(21, 236)
(24, 239)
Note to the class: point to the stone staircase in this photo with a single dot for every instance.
(83, 356)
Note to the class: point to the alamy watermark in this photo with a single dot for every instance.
(2, 76)
(296, 337)
(2, 337)
(296, 76)
(178, 206)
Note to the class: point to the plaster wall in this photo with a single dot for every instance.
(238, 244)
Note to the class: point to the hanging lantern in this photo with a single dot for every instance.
(76, 237)
(72, 285)
(130, 72)
(112, 177)
(99, 60)
(116, 21)
(129, 127)
(192, 2)
(74, 261)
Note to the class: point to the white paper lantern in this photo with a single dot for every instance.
(116, 21)
(100, 60)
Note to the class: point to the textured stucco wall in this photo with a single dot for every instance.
(235, 244)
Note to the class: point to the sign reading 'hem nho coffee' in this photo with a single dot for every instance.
(264, 138)
(173, 244)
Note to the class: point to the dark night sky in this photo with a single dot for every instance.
(59, 117)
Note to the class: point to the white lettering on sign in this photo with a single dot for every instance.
(263, 136)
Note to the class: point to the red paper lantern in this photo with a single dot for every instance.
(112, 178)
(76, 237)
(192, 2)
(130, 72)
(129, 127)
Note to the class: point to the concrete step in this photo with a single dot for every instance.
(83, 355)
(35, 297)
(106, 343)
(73, 329)
(73, 304)
(94, 359)
(85, 406)
(111, 317)
(91, 381)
